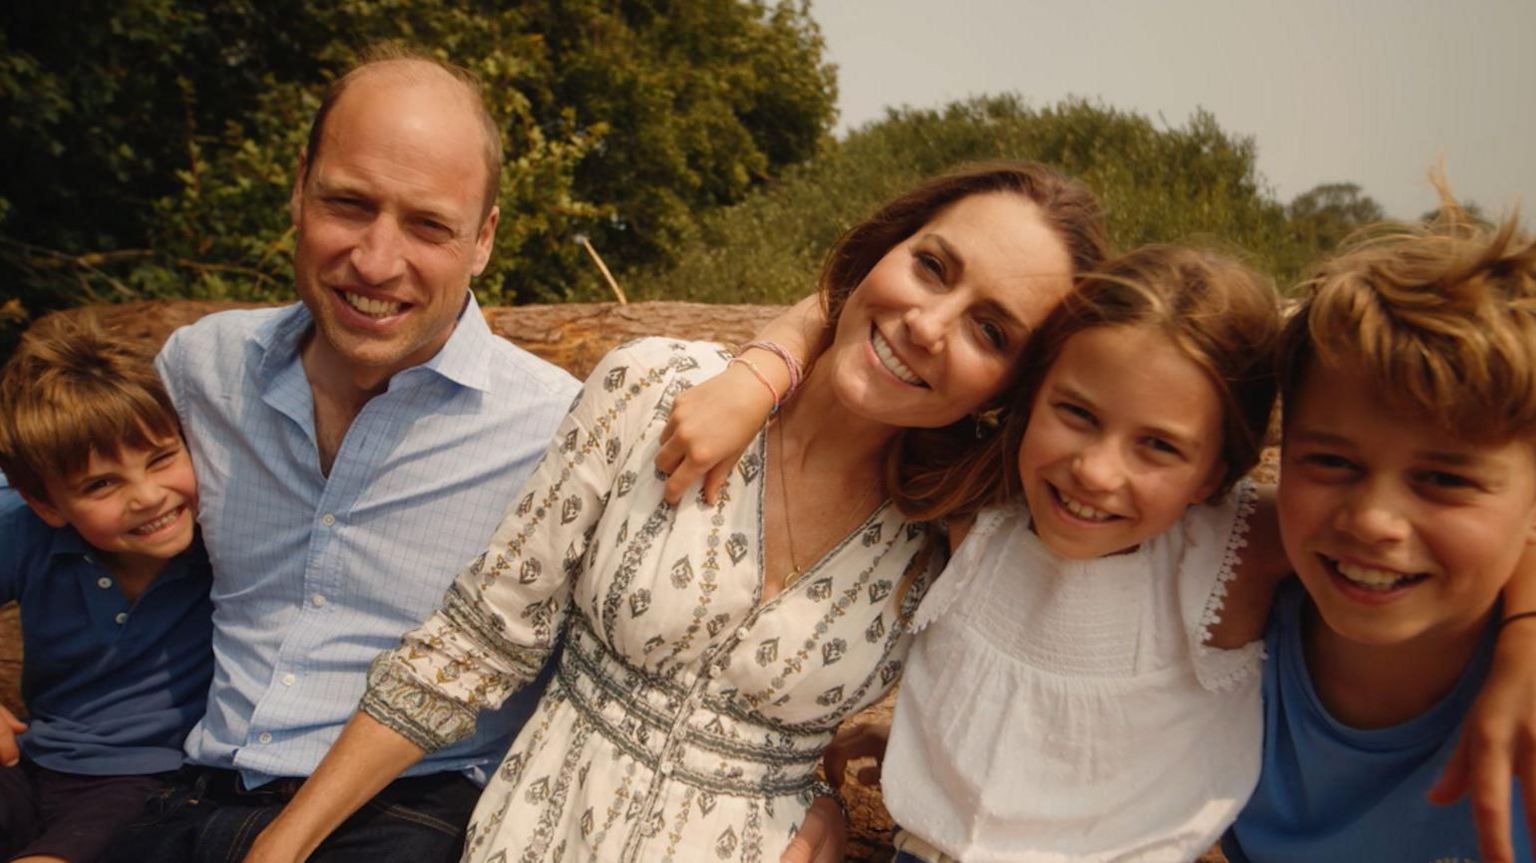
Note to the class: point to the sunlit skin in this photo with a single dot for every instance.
(1124, 435)
(1403, 534)
(389, 217)
(138, 509)
(935, 330)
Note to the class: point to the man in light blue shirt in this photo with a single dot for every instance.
(353, 452)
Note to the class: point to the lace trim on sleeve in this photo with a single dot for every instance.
(1220, 670)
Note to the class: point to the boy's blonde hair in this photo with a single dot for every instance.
(72, 388)
(1440, 318)
(1220, 313)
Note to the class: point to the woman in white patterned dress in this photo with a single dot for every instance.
(710, 650)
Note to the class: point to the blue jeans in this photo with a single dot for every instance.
(206, 816)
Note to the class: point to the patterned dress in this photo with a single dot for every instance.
(688, 715)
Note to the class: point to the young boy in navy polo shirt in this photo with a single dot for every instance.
(98, 544)
(1407, 497)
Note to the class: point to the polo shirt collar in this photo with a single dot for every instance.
(67, 542)
(464, 359)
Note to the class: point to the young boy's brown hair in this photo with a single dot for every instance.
(71, 388)
(1440, 316)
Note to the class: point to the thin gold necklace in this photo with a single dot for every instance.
(789, 530)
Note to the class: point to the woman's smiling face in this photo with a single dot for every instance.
(936, 329)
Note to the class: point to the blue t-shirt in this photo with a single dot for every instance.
(112, 687)
(1329, 792)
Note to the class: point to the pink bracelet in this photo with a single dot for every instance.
(757, 373)
(790, 363)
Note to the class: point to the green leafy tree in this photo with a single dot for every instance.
(1322, 217)
(1189, 183)
(151, 144)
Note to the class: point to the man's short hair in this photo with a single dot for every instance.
(73, 388)
(1440, 318)
(396, 52)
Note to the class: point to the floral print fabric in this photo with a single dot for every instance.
(687, 715)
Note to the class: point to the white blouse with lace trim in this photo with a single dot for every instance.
(1070, 710)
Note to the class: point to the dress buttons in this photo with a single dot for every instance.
(741, 633)
(121, 618)
(328, 519)
(317, 600)
(265, 737)
(290, 679)
(666, 769)
(103, 582)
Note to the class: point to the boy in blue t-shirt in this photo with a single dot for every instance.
(98, 544)
(1407, 498)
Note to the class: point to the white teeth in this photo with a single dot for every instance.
(371, 307)
(162, 521)
(1370, 577)
(1083, 510)
(889, 359)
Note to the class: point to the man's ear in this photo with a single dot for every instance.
(45, 511)
(485, 239)
(296, 197)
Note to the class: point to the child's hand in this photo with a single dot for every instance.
(710, 427)
(10, 726)
(1498, 742)
(852, 743)
(821, 837)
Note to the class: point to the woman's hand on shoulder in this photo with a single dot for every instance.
(711, 425)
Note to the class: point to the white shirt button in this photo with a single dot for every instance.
(265, 737)
(290, 679)
(741, 633)
(328, 519)
(666, 769)
(121, 618)
(103, 582)
(317, 600)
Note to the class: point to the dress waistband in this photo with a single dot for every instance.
(686, 733)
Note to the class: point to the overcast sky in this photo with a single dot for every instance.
(1370, 91)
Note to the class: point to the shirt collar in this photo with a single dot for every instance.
(464, 359)
(67, 542)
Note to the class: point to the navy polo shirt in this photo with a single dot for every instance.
(112, 686)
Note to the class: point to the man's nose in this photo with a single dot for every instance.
(379, 256)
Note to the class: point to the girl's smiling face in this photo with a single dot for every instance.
(1124, 434)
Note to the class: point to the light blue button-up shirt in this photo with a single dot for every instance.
(314, 574)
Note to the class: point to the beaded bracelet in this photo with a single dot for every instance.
(762, 378)
(796, 373)
(1514, 617)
